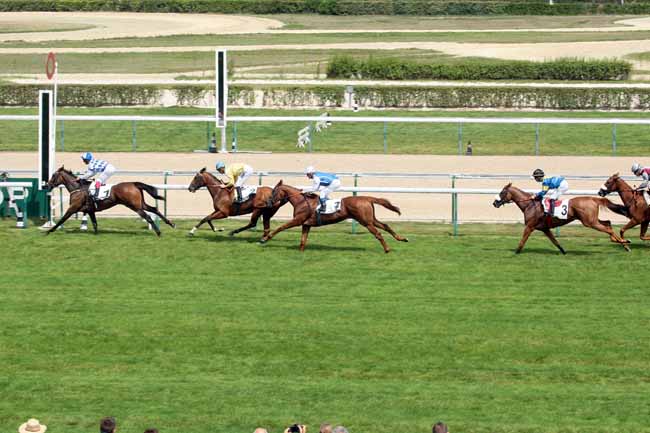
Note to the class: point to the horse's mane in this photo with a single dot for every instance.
(212, 176)
(65, 170)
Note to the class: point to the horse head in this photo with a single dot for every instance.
(198, 181)
(610, 185)
(504, 197)
(59, 177)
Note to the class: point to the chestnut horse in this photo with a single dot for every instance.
(129, 194)
(584, 209)
(639, 212)
(222, 200)
(304, 213)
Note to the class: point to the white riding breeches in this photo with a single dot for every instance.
(555, 193)
(324, 191)
(248, 171)
(108, 172)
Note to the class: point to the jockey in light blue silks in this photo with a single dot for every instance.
(97, 167)
(552, 188)
(322, 183)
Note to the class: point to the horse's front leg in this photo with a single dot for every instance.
(293, 223)
(93, 219)
(629, 225)
(527, 231)
(64, 218)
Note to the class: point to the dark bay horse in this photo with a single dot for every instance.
(222, 200)
(129, 194)
(639, 212)
(583, 209)
(304, 213)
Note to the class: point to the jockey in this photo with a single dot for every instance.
(552, 188)
(643, 173)
(237, 175)
(95, 167)
(322, 183)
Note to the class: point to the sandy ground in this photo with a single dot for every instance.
(122, 25)
(117, 25)
(429, 207)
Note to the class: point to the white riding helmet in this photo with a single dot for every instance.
(310, 170)
(636, 167)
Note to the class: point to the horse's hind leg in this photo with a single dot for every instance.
(252, 223)
(154, 209)
(644, 229)
(549, 234)
(387, 228)
(372, 229)
(148, 219)
(598, 225)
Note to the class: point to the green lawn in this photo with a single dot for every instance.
(8, 26)
(396, 22)
(224, 334)
(496, 139)
(275, 39)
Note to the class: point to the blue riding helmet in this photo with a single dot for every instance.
(87, 156)
(220, 164)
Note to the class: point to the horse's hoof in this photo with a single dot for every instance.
(387, 251)
(221, 229)
(190, 234)
(405, 240)
(262, 241)
(173, 226)
(231, 234)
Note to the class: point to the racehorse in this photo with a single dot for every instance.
(639, 212)
(304, 213)
(222, 200)
(129, 194)
(584, 209)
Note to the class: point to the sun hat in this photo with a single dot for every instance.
(32, 426)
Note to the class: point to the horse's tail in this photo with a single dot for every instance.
(616, 208)
(385, 203)
(152, 190)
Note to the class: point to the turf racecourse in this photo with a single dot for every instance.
(213, 334)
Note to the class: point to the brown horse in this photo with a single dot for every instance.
(639, 212)
(129, 194)
(584, 209)
(304, 213)
(222, 200)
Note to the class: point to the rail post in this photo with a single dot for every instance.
(62, 137)
(165, 175)
(614, 139)
(385, 137)
(537, 139)
(207, 134)
(356, 183)
(460, 138)
(259, 182)
(454, 206)
(133, 136)
(234, 137)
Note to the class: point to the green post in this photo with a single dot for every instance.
(25, 216)
(207, 134)
(133, 136)
(165, 192)
(614, 139)
(454, 206)
(385, 137)
(460, 138)
(356, 183)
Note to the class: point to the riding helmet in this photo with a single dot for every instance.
(636, 167)
(220, 164)
(538, 173)
(87, 156)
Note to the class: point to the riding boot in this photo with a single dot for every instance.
(238, 193)
(323, 205)
(551, 207)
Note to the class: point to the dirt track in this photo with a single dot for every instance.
(414, 206)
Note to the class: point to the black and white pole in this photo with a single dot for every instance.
(221, 94)
(46, 145)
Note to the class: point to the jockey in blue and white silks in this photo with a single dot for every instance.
(552, 188)
(97, 167)
(322, 183)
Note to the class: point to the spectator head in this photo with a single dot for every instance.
(340, 429)
(32, 426)
(260, 430)
(326, 428)
(296, 428)
(107, 425)
(439, 427)
(151, 430)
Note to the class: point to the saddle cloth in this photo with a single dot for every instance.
(332, 206)
(247, 192)
(561, 210)
(104, 191)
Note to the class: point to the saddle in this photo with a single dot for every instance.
(246, 193)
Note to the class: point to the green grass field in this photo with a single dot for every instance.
(220, 334)
(495, 139)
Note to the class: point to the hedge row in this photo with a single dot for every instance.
(396, 69)
(333, 96)
(338, 7)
